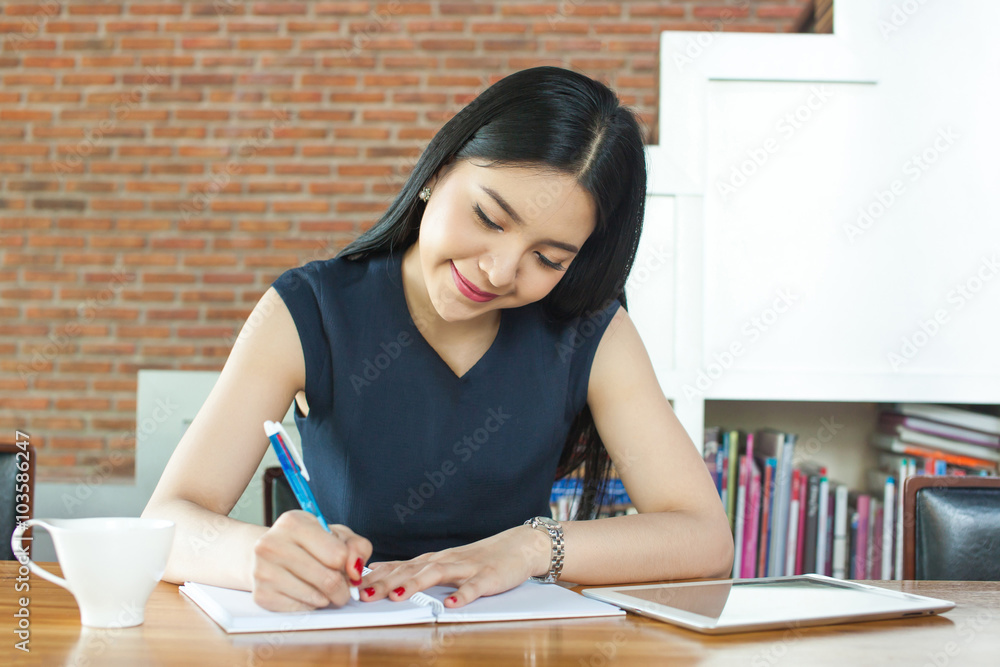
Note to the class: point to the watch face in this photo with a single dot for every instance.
(546, 521)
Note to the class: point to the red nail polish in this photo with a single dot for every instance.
(399, 591)
(359, 566)
(453, 599)
(355, 583)
(369, 592)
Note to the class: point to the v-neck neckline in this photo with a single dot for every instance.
(396, 260)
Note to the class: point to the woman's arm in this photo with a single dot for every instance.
(681, 531)
(289, 566)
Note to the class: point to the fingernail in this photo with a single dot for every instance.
(399, 591)
(359, 566)
(453, 599)
(355, 583)
(369, 592)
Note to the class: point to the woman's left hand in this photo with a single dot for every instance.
(487, 567)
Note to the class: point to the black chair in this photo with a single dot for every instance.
(951, 528)
(16, 495)
(278, 496)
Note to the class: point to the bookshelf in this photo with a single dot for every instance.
(822, 202)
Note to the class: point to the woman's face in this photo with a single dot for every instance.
(509, 232)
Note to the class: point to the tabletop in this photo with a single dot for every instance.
(177, 632)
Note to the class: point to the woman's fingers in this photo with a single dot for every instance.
(277, 589)
(400, 580)
(486, 567)
(298, 565)
(474, 588)
(359, 550)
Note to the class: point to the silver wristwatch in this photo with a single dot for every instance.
(555, 532)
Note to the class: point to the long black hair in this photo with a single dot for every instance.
(558, 120)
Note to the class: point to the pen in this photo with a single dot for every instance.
(295, 471)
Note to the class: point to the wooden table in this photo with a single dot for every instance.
(177, 632)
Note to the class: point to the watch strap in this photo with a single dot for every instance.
(555, 533)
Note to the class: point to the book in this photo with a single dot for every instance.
(895, 445)
(751, 527)
(888, 528)
(892, 420)
(831, 503)
(822, 527)
(950, 415)
(800, 548)
(767, 504)
(811, 541)
(875, 543)
(236, 612)
(861, 537)
(919, 438)
(741, 509)
(732, 444)
(787, 567)
(841, 523)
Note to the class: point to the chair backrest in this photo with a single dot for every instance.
(278, 496)
(17, 492)
(951, 528)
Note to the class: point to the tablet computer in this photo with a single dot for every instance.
(741, 605)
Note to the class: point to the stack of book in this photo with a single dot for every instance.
(794, 520)
(938, 439)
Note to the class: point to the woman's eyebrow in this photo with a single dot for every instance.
(502, 203)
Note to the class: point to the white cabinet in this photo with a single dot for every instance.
(828, 202)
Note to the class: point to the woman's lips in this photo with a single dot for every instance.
(467, 288)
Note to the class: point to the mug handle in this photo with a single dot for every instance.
(22, 556)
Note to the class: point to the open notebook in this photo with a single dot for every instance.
(235, 611)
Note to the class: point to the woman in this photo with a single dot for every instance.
(445, 367)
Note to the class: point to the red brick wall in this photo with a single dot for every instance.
(162, 163)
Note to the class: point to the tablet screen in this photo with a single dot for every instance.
(742, 602)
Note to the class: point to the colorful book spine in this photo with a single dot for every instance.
(888, 528)
(732, 444)
(875, 543)
(792, 539)
(781, 504)
(752, 527)
(841, 526)
(861, 542)
(800, 548)
(740, 528)
(767, 499)
(822, 526)
(904, 468)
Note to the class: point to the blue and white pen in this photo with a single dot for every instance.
(295, 471)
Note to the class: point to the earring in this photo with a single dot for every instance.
(425, 194)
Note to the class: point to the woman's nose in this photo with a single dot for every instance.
(501, 269)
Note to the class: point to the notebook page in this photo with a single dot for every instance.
(529, 601)
(235, 611)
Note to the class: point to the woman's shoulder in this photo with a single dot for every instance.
(332, 275)
(567, 334)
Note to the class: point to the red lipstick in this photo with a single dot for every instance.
(468, 289)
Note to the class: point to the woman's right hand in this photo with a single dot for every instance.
(298, 566)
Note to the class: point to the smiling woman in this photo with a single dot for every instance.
(501, 264)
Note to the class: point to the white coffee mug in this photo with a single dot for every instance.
(110, 564)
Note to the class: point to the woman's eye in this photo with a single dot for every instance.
(550, 264)
(485, 220)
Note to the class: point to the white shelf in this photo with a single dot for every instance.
(854, 388)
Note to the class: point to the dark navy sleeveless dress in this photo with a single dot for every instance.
(402, 450)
